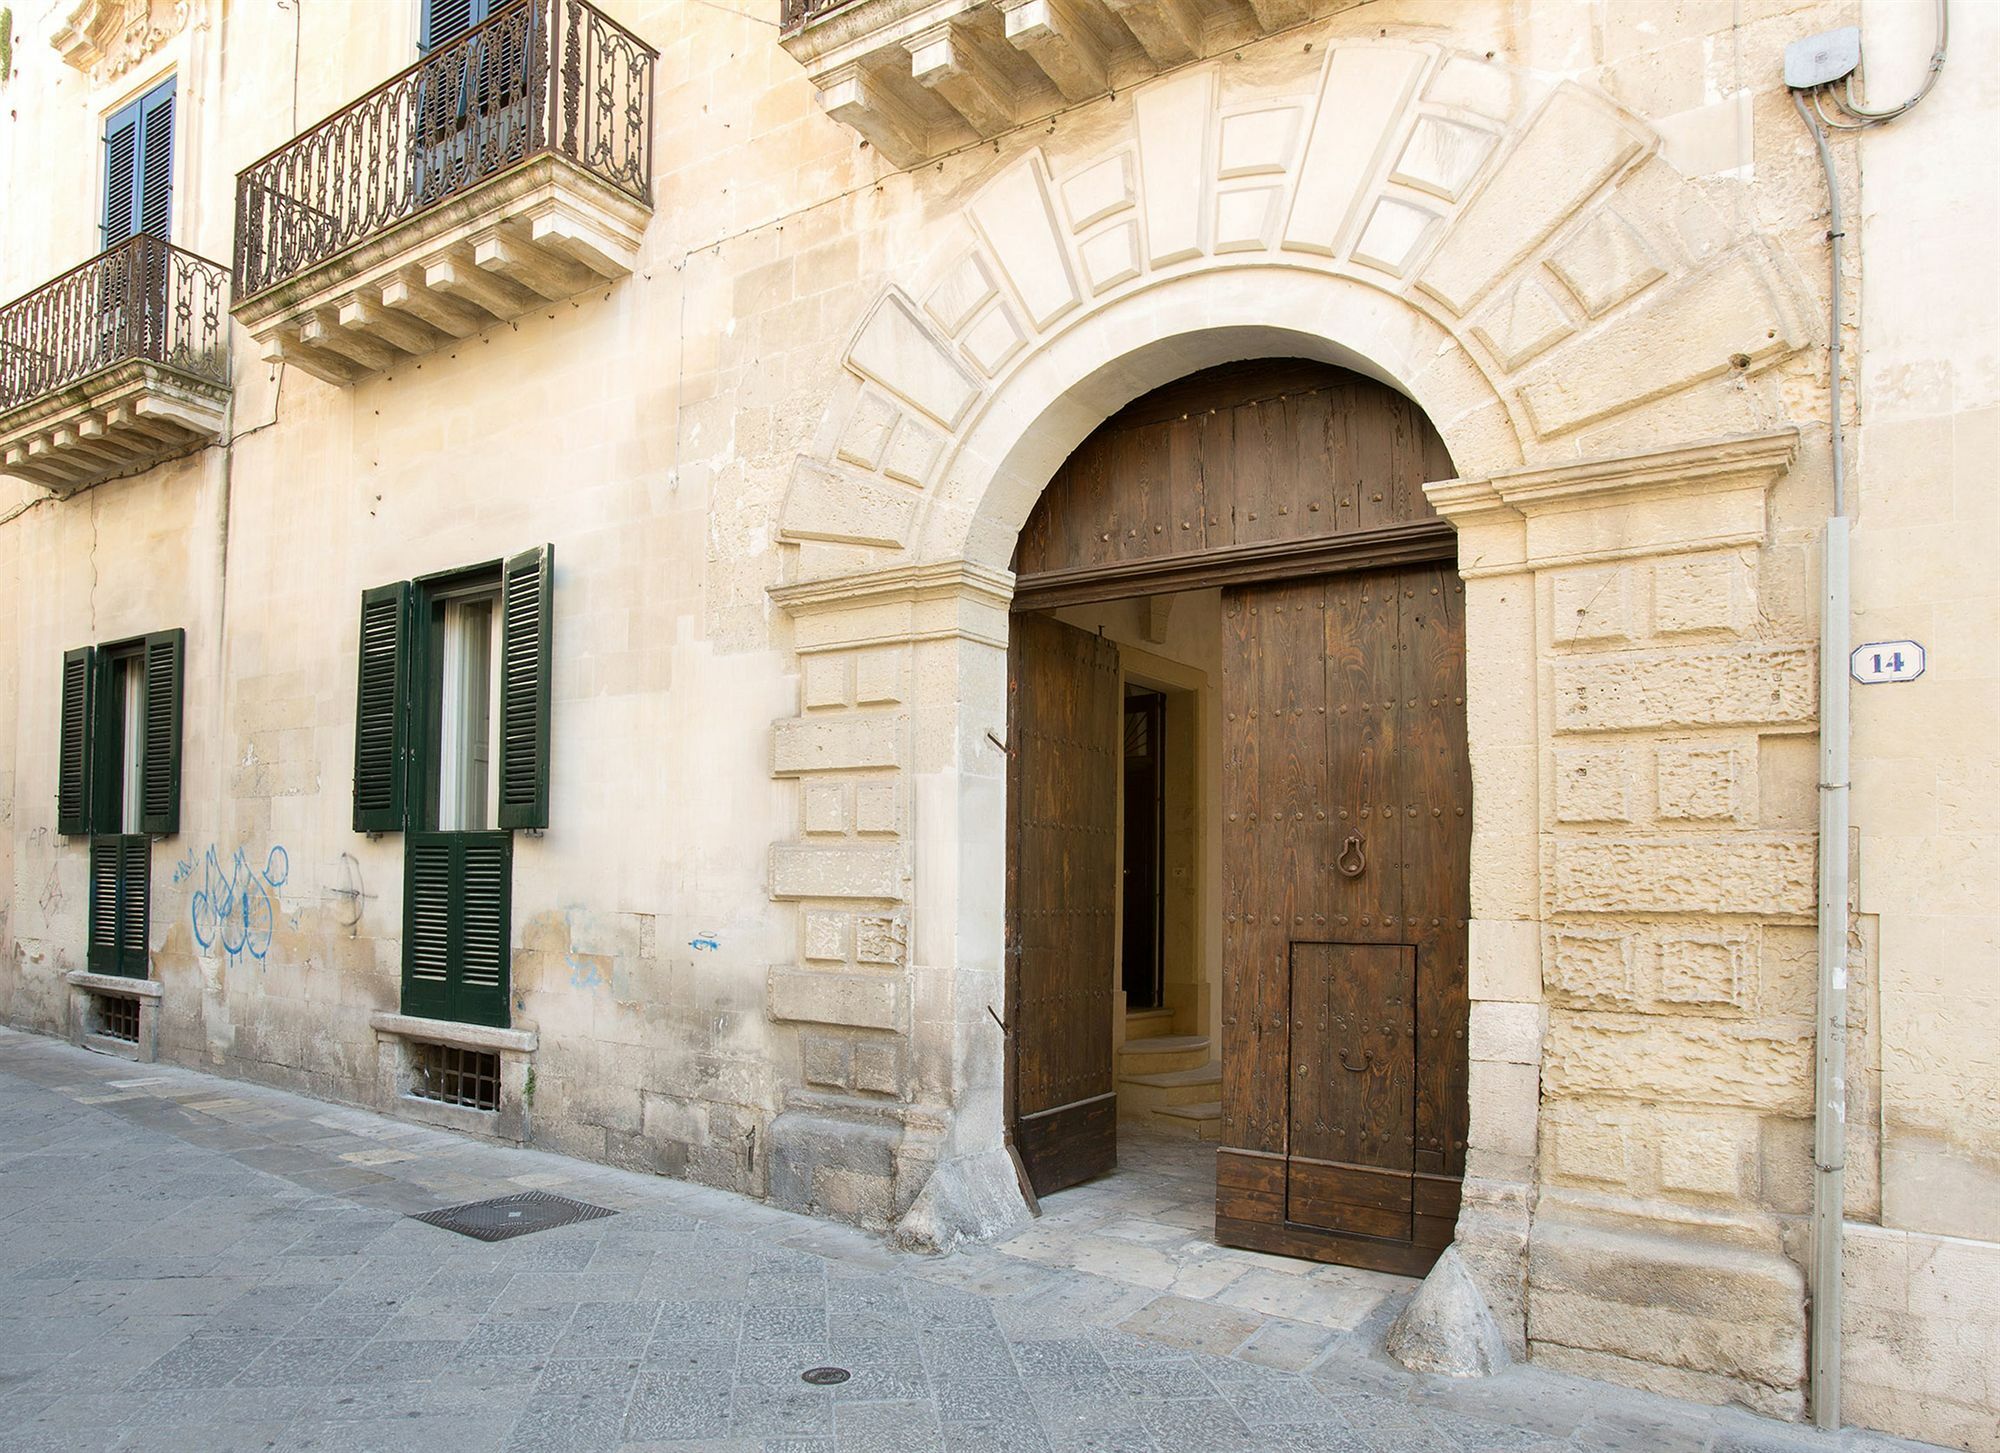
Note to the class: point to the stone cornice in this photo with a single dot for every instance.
(1719, 465)
(899, 584)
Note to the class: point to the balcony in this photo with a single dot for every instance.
(114, 366)
(507, 170)
(921, 77)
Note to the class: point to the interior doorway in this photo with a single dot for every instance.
(1239, 812)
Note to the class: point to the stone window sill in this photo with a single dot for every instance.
(113, 984)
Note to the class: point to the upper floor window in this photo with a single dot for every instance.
(446, 20)
(139, 167)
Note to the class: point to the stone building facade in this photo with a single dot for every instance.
(760, 381)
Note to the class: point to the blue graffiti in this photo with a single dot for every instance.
(583, 976)
(237, 908)
(184, 869)
(703, 941)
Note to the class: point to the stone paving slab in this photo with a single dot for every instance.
(190, 1263)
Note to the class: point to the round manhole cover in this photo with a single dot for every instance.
(825, 1376)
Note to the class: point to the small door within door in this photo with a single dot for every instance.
(1065, 751)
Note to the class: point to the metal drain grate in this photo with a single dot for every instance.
(510, 1216)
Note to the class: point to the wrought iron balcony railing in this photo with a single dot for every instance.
(540, 77)
(144, 299)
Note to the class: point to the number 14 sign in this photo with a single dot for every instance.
(1880, 661)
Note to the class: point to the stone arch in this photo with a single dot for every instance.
(1584, 329)
(1514, 254)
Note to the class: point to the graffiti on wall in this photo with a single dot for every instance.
(235, 909)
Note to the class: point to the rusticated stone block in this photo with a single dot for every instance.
(825, 681)
(1590, 1148)
(1737, 874)
(1687, 689)
(1674, 1300)
(1707, 1155)
(1572, 147)
(822, 996)
(880, 938)
(826, 932)
(875, 808)
(1703, 593)
(1589, 968)
(1587, 606)
(826, 807)
(846, 508)
(1733, 309)
(878, 677)
(1684, 1061)
(800, 870)
(1697, 784)
(1593, 786)
(1705, 970)
(827, 1059)
(878, 1066)
(867, 432)
(836, 744)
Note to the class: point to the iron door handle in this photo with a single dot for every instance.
(1367, 1060)
(1352, 862)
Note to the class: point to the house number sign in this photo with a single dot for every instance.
(1880, 661)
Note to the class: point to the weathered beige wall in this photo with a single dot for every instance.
(1923, 1330)
(699, 432)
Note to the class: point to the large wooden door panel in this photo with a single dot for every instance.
(1346, 855)
(1065, 718)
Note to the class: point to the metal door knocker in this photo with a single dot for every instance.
(1367, 1060)
(1352, 862)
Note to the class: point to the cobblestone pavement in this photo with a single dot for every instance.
(192, 1263)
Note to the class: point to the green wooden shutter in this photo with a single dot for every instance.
(485, 891)
(457, 917)
(429, 906)
(79, 682)
(105, 860)
(381, 713)
(121, 892)
(527, 598)
(135, 894)
(160, 768)
(107, 746)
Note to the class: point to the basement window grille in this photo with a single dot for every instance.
(118, 1017)
(454, 1076)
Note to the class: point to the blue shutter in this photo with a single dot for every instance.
(446, 20)
(121, 175)
(139, 166)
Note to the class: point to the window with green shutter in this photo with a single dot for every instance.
(452, 749)
(118, 780)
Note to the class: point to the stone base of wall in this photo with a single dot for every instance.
(886, 1167)
(1921, 1329)
(1671, 1311)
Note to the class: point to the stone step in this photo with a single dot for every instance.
(1140, 1095)
(1190, 1122)
(1148, 1023)
(1164, 1052)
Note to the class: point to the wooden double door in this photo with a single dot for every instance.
(1345, 811)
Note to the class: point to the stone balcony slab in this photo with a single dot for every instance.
(545, 231)
(917, 78)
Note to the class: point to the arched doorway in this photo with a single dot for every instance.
(1240, 810)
